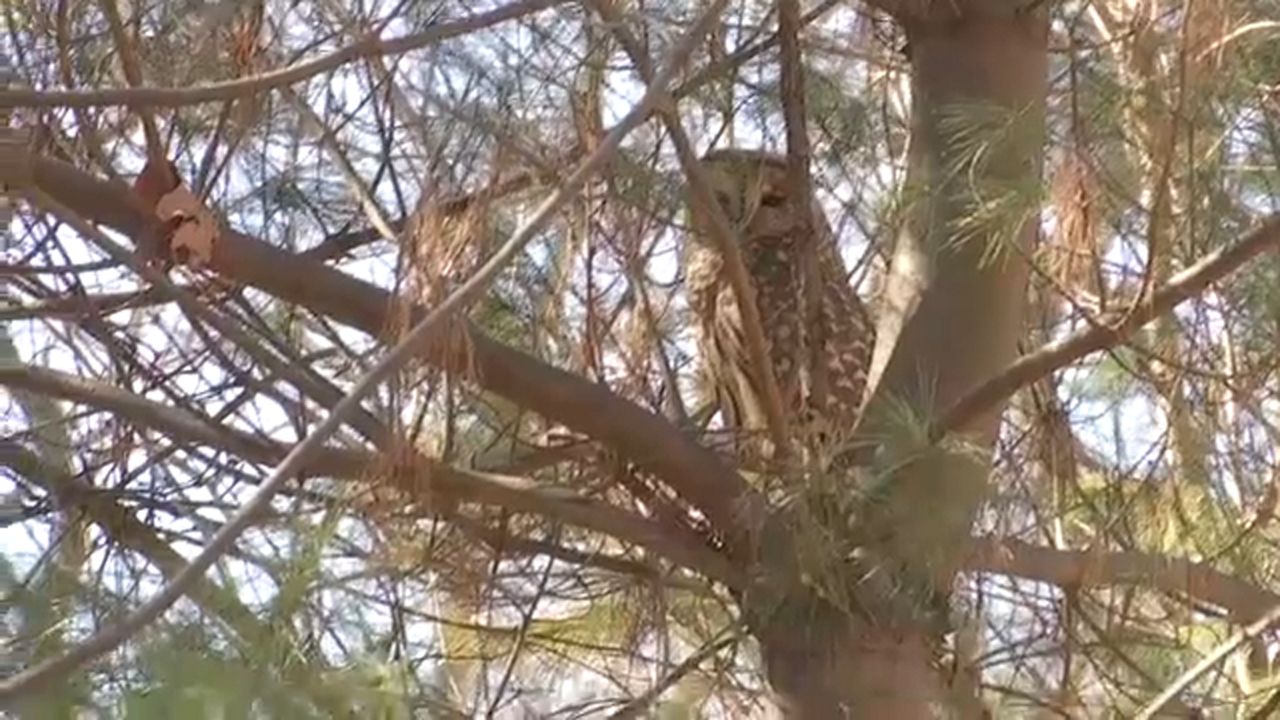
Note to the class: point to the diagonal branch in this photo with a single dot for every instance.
(1058, 354)
(642, 704)
(236, 89)
(118, 523)
(429, 482)
(1207, 663)
(694, 472)
(411, 344)
(523, 179)
(722, 233)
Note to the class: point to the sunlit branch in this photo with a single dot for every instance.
(1058, 354)
(411, 344)
(235, 89)
(645, 437)
(1220, 653)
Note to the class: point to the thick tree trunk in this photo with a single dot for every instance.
(957, 290)
(828, 665)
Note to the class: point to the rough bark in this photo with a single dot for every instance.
(957, 290)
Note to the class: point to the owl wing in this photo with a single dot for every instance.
(848, 333)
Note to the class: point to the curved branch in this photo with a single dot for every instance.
(429, 482)
(423, 332)
(1055, 355)
(1085, 568)
(646, 438)
(235, 89)
(1207, 663)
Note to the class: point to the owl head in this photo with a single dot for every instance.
(751, 187)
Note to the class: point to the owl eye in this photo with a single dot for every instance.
(773, 200)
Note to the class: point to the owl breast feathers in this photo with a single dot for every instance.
(836, 340)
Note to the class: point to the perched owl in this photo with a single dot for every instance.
(751, 187)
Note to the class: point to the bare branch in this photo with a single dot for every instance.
(1219, 654)
(1055, 355)
(415, 339)
(235, 89)
(1087, 568)
(722, 234)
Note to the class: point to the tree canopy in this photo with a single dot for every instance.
(399, 415)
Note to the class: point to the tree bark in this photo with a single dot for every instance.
(955, 300)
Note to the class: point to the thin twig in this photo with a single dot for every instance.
(640, 705)
(524, 179)
(1052, 356)
(522, 633)
(113, 636)
(133, 75)
(329, 141)
(1219, 654)
(235, 89)
(722, 233)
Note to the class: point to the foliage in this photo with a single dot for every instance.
(366, 592)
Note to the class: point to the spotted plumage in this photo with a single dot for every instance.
(752, 189)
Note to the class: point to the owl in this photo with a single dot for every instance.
(752, 189)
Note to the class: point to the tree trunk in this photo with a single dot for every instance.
(953, 315)
(826, 664)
